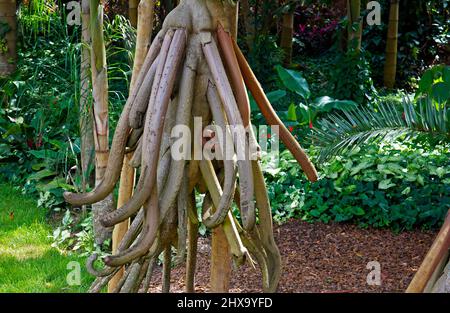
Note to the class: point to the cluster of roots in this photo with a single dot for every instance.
(192, 69)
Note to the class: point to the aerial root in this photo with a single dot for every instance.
(185, 76)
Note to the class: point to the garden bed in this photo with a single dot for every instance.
(324, 258)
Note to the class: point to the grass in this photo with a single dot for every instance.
(28, 262)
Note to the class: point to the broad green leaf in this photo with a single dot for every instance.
(385, 184)
(291, 114)
(294, 81)
(440, 171)
(441, 92)
(358, 211)
(359, 167)
(326, 104)
(42, 174)
(274, 96)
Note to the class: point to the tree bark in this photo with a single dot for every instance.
(390, 67)
(8, 41)
(86, 132)
(100, 110)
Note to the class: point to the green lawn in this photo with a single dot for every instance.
(28, 263)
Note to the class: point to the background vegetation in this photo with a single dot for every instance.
(383, 154)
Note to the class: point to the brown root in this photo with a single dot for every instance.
(272, 118)
(226, 95)
(115, 160)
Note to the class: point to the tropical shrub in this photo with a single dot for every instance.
(39, 128)
(396, 185)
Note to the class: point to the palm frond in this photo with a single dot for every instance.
(339, 132)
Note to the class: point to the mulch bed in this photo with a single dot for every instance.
(323, 258)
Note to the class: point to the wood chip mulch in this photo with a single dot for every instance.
(323, 258)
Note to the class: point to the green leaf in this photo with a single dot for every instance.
(291, 114)
(406, 191)
(358, 211)
(42, 174)
(294, 81)
(440, 172)
(385, 184)
(326, 104)
(441, 92)
(274, 96)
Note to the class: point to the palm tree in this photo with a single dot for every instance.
(339, 132)
(8, 29)
(390, 67)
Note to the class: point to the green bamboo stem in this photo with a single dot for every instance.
(390, 67)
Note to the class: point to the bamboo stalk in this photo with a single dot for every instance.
(287, 33)
(271, 116)
(86, 131)
(438, 250)
(100, 111)
(354, 16)
(390, 66)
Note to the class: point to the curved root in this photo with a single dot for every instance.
(182, 78)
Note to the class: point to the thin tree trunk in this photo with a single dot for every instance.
(8, 41)
(100, 112)
(86, 133)
(354, 25)
(133, 12)
(127, 176)
(287, 33)
(390, 67)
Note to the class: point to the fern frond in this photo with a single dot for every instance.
(339, 132)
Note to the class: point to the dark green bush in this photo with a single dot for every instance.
(393, 186)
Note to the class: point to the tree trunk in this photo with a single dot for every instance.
(100, 110)
(390, 67)
(127, 176)
(287, 33)
(354, 25)
(133, 12)
(86, 132)
(8, 37)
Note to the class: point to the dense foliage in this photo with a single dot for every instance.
(394, 185)
(39, 143)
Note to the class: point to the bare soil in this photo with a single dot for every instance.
(324, 258)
